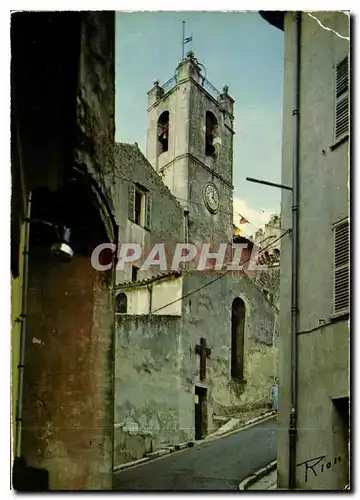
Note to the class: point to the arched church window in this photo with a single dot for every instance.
(237, 338)
(163, 132)
(210, 134)
(121, 303)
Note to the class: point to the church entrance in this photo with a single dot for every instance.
(200, 412)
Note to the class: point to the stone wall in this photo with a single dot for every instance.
(148, 384)
(95, 103)
(68, 389)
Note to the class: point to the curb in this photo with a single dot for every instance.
(155, 454)
(127, 465)
(218, 434)
(245, 483)
(188, 444)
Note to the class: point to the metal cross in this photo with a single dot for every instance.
(204, 353)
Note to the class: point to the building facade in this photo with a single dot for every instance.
(190, 344)
(323, 292)
(62, 131)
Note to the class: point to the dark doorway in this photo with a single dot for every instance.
(342, 409)
(200, 412)
(341, 425)
(237, 338)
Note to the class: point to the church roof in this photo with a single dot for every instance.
(146, 281)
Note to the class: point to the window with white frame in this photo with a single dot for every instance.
(341, 128)
(139, 205)
(341, 271)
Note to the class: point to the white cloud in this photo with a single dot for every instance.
(257, 217)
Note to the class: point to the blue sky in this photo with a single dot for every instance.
(238, 49)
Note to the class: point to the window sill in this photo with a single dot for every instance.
(239, 380)
(139, 225)
(339, 316)
(339, 142)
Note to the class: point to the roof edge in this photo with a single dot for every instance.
(274, 17)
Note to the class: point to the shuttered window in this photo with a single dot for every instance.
(148, 207)
(131, 202)
(139, 205)
(342, 100)
(341, 285)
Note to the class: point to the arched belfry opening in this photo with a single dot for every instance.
(211, 131)
(237, 338)
(163, 132)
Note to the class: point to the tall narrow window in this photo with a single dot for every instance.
(341, 100)
(237, 338)
(134, 273)
(163, 132)
(341, 274)
(121, 303)
(210, 134)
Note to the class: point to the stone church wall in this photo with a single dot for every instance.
(157, 368)
(150, 403)
(208, 314)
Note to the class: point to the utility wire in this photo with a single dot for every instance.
(214, 280)
(201, 205)
(177, 197)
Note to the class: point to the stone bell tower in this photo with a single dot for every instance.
(190, 145)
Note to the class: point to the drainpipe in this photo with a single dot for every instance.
(186, 220)
(295, 258)
(23, 317)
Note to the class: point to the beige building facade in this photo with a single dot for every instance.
(321, 363)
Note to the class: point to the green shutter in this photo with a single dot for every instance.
(342, 118)
(148, 204)
(131, 202)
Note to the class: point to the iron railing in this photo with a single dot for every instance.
(170, 84)
(208, 86)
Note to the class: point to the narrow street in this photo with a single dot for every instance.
(216, 465)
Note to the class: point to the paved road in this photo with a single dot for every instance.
(216, 465)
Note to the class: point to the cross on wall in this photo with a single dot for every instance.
(204, 353)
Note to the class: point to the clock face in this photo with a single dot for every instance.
(211, 197)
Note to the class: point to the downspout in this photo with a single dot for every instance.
(113, 343)
(295, 257)
(23, 318)
(186, 230)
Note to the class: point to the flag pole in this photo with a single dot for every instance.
(183, 40)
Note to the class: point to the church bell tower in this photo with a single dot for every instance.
(190, 144)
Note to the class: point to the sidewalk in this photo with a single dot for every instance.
(263, 479)
(268, 482)
(232, 426)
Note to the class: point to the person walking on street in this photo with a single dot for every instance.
(275, 395)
